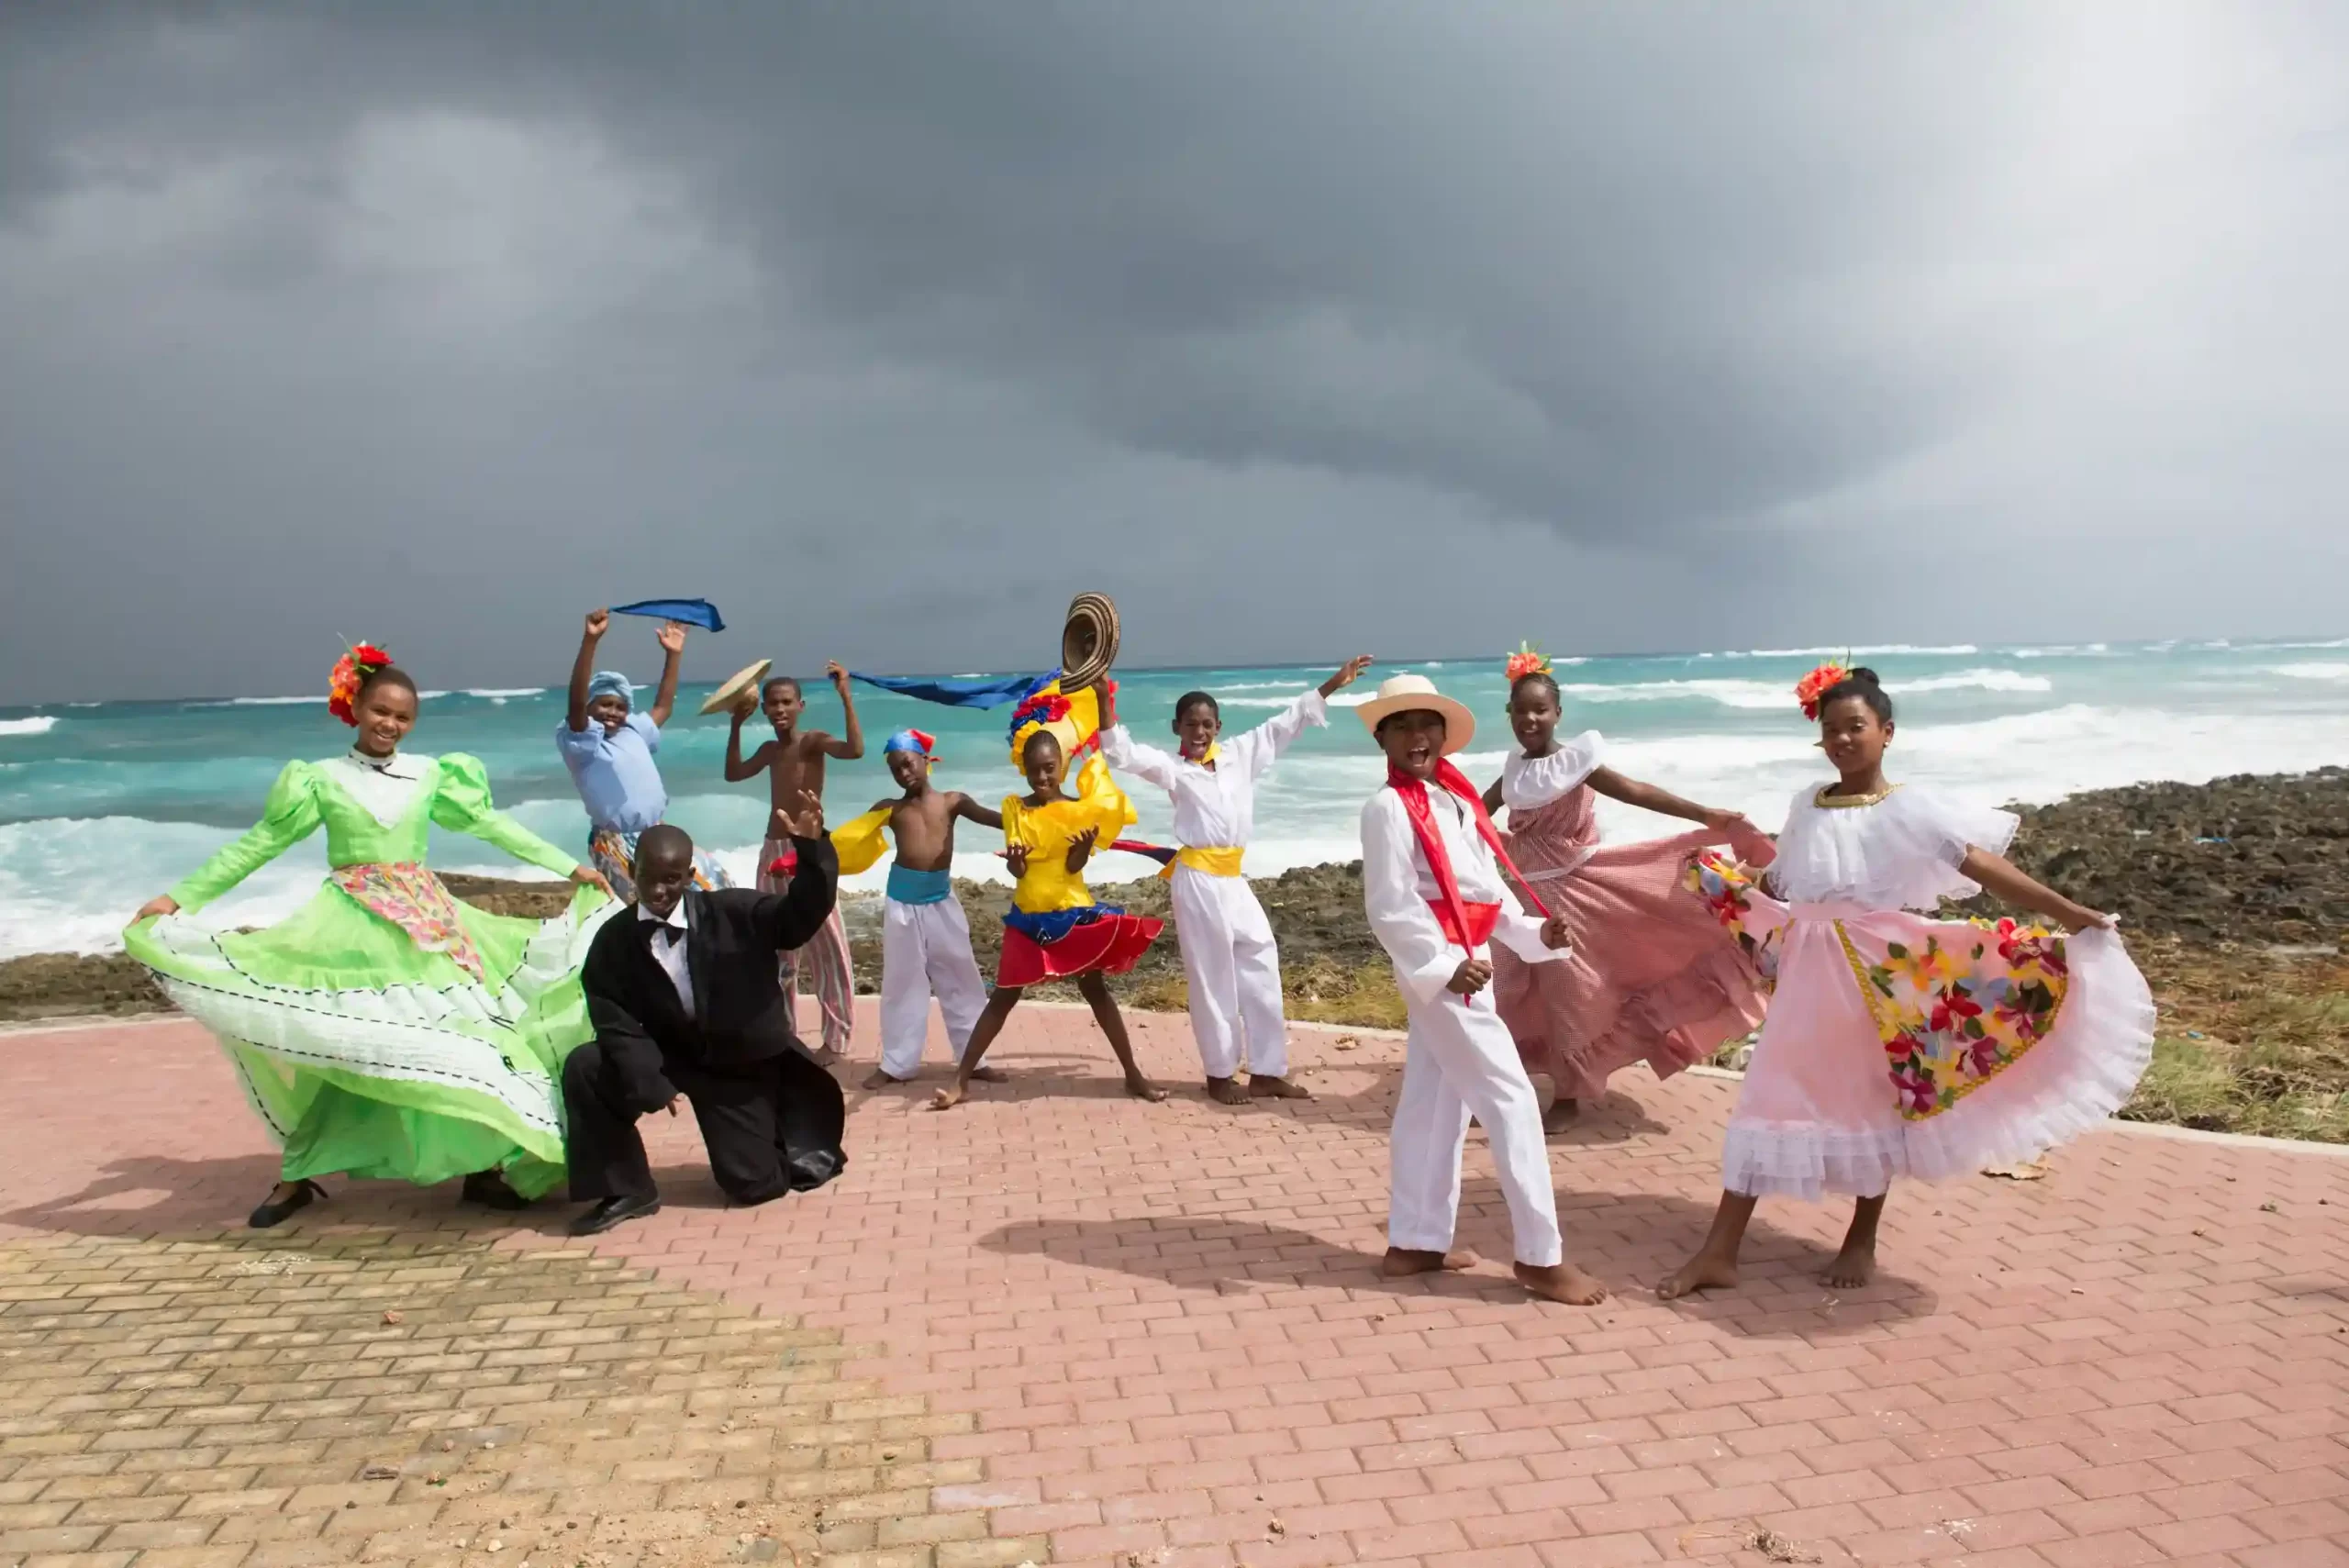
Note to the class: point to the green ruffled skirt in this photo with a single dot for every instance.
(367, 1056)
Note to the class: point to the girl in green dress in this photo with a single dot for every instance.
(385, 1029)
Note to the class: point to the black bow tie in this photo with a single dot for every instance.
(667, 932)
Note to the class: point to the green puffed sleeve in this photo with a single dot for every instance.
(461, 803)
(291, 816)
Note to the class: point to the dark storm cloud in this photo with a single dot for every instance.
(450, 316)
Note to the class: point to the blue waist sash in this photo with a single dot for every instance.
(908, 886)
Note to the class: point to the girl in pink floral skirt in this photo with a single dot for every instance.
(1900, 1045)
(1651, 975)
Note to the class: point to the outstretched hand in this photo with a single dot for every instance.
(1080, 848)
(1014, 858)
(166, 904)
(588, 876)
(672, 636)
(803, 818)
(1347, 674)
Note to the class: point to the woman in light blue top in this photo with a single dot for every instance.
(608, 746)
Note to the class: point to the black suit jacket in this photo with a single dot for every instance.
(741, 1017)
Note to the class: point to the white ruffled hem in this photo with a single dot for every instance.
(458, 1036)
(2075, 1078)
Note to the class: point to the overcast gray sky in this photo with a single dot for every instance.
(1301, 329)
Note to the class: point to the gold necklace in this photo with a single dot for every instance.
(1828, 798)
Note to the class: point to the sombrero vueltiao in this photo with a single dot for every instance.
(1402, 694)
(1088, 641)
(730, 690)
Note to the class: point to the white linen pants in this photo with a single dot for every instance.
(1461, 1061)
(926, 948)
(1233, 968)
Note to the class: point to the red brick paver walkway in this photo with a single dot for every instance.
(1166, 1323)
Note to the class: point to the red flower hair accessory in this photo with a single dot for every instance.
(352, 672)
(1808, 689)
(1526, 662)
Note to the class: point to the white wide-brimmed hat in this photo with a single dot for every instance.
(730, 690)
(1401, 694)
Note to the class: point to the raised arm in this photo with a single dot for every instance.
(1128, 755)
(737, 770)
(848, 748)
(1260, 748)
(792, 919)
(2001, 876)
(970, 810)
(291, 816)
(583, 667)
(672, 650)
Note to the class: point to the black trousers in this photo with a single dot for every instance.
(771, 1127)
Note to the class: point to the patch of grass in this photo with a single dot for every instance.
(2252, 1042)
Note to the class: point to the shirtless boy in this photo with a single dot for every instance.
(925, 936)
(794, 763)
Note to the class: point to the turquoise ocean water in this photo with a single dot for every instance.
(103, 806)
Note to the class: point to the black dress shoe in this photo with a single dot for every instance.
(611, 1211)
(488, 1189)
(303, 1194)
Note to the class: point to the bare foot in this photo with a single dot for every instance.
(946, 1099)
(1562, 1115)
(877, 1079)
(826, 1056)
(1703, 1272)
(1276, 1089)
(1561, 1281)
(990, 1075)
(1227, 1092)
(1853, 1266)
(1141, 1088)
(1401, 1262)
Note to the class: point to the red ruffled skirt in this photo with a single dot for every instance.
(1109, 944)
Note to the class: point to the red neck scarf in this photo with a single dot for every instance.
(1417, 807)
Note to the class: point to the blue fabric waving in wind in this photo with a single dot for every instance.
(692, 612)
(990, 691)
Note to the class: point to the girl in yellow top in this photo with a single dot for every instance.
(1055, 930)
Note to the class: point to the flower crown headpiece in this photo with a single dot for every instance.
(1526, 662)
(1811, 687)
(352, 671)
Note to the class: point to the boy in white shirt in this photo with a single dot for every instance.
(1431, 885)
(1231, 963)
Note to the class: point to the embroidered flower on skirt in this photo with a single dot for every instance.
(1953, 1017)
(1724, 889)
(412, 898)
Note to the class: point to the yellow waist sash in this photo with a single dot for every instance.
(1212, 862)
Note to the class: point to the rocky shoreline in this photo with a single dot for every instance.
(2234, 895)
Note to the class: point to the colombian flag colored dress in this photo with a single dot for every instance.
(1055, 930)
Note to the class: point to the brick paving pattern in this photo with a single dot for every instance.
(1156, 1335)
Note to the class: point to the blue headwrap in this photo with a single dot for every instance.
(611, 683)
(912, 740)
